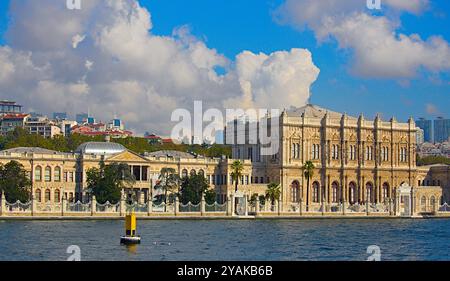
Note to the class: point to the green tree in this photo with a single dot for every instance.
(308, 171)
(107, 181)
(236, 173)
(169, 182)
(273, 192)
(14, 182)
(193, 188)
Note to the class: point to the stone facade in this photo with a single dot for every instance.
(356, 160)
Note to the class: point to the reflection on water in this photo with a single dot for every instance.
(229, 240)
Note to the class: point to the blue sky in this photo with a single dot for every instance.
(231, 26)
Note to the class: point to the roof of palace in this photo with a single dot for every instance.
(170, 153)
(314, 111)
(100, 148)
(36, 150)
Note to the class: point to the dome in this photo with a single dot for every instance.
(100, 148)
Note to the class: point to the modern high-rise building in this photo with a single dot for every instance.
(59, 115)
(441, 129)
(7, 107)
(419, 136)
(81, 118)
(426, 126)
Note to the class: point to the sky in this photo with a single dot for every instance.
(143, 59)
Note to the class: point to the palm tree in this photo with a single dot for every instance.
(169, 181)
(273, 192)
(308, 171)
(236, 173)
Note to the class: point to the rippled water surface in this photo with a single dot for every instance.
(229, 240)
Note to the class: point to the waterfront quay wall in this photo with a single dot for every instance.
(239, 210)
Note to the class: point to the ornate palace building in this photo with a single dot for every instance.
(355, 161)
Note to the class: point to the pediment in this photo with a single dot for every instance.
(126, 156)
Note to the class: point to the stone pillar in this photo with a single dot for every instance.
(390, 206)
(280, 206)
(33, 205)
(344, 207)
(233, 205)
(149, 206)
(367, 201)
(229, 205)
(301, 206)
(257, 206)
(176, 206)
(202, 205)
(275, 206)
(323, 207)
(63, 205)
(2, 204)
(246, 204)
(122, 204)
(93, 205)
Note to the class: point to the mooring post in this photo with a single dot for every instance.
(2, 204)
(229, 205)
(202, 205)
(93, 205)
(33, 205)
(63, 205)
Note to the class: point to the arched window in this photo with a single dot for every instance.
(295, 192)
(423, 204)
(335, 192)
(47, 195)
(370, 193)
(201, 172)
(184, 173)
(385, 191)
(315, 192)
(57, 177)
(432, 203)
(193, 172)
(57, 196)
(48, 174)
(37, 195)
(38, 173)
(352, 195)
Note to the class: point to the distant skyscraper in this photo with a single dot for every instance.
(60, 115)
(441, 129)
(82, 117)
(426, 126)
(419, 137)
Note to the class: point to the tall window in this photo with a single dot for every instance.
(47, 195)
(403, 157)
(57, 196)
(295, 151)
(57, 174)
(38, 174)
(295, 192)
(385, 191)
(315, 153)
(250, 153)
(315, 192)
(184, 173)
(334, 192)
(385, 153)
(369, 153)
(335, 151)
(48, 174)
(352, 152)
(38, 195)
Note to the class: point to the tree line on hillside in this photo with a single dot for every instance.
(19, 137)
(430, 160)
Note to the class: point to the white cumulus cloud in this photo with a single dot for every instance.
(105, 58)
(379, 50)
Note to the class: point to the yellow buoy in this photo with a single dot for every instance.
(130, 231)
